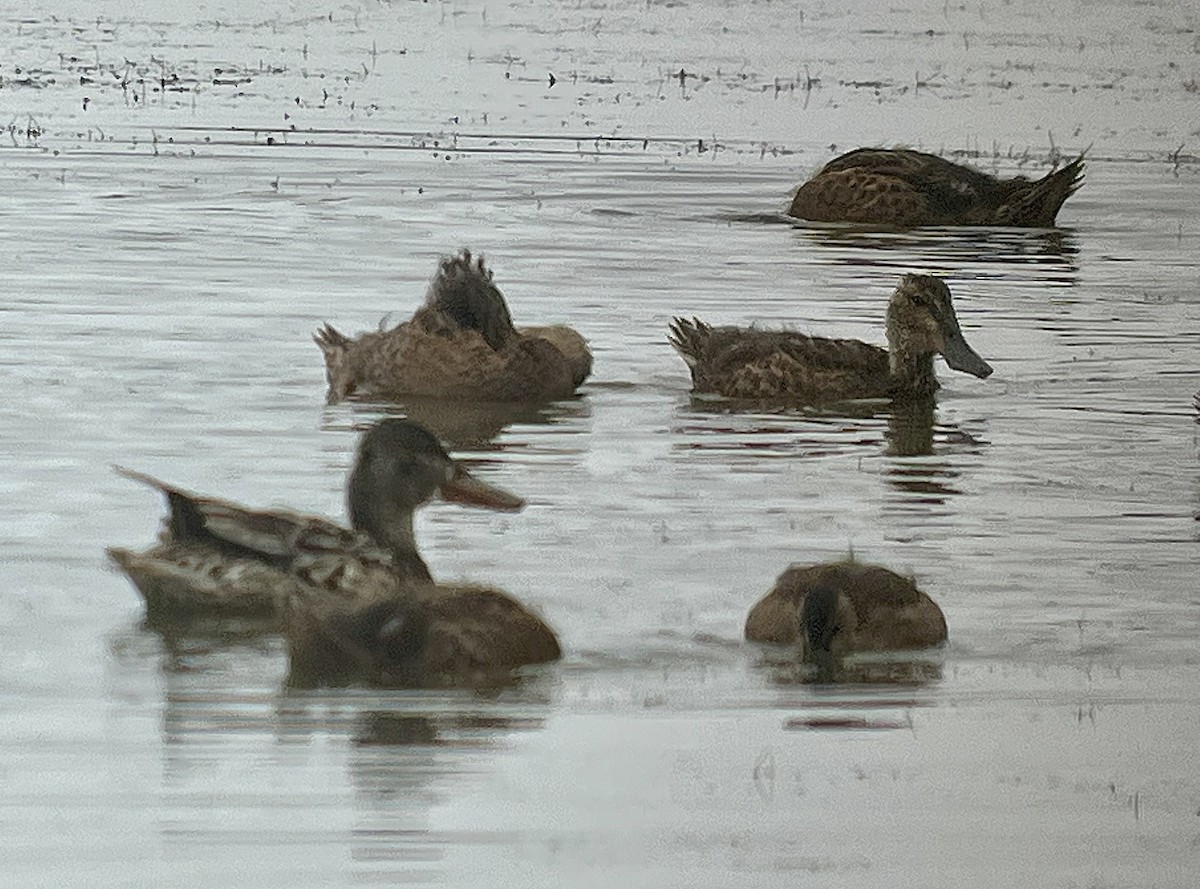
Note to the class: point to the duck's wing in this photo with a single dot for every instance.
(273, 537)
(473, 628)
(417, 635)
(464, 295)
(895, 187)
(741, 362)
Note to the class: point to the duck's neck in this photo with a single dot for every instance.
(393, 530)
(911, 368)
(911, 373)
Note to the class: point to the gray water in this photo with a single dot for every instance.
(171, 243)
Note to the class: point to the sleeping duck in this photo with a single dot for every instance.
(792, 367)
(357, 604)
(900, 188)
(461, 344)
(843, 607)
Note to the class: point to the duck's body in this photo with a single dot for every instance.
(338, 591)
(218, 559)
(900, 188)
(433, 635)
(461, 344)
(844, 607)
(795, 368)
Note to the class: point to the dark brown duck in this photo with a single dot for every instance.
(900, 188)
(795, 368)
(843, 607)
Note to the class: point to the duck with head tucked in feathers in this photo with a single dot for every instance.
(461, 344)
(839, 608)
(901, 188)
(795, 368)
(356, 604)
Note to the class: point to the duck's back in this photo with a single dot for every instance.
(889, 611)
(217, 558)
(747, 363)
(898, 188)
(473, 628)
(903, 188)
(448, 636)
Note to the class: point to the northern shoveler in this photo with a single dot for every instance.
(843, 607)
(788, 366)
(461, 344)
(356, 604)
(900, 188)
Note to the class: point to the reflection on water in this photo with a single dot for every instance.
(462, 425)
(899, 670)
(1054, 252)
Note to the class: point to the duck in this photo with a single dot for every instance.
(795, 368)
(902, 188)
(354, 604)
(839, 608)
(460, 344)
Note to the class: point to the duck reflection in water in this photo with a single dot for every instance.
(466, 424)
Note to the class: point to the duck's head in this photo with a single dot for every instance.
(921, 322)
(400, 466)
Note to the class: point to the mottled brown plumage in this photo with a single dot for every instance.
(460, 344)
(855, 607)
(899, 188)
(338, 591)
(795, 368)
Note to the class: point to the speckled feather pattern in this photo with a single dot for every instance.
(747, 363)
(796, 368)
(904, 189)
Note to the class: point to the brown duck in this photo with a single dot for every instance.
(900, 188)
(461, 344)
(795, 368)
(843, 607)
(357, 604)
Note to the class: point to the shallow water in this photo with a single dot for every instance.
(172, 243)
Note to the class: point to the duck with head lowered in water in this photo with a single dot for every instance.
(839, 608)
(356, 604)
(795, 368)
(461, 344)
(901, 188)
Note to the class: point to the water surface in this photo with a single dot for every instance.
(188, 193)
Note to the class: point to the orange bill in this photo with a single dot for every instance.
(467, 489)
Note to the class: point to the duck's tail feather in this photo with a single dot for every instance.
(463, 292)
(1039, 205)
(335, 347)
(330, 339)
(268, 536)
(689, 338)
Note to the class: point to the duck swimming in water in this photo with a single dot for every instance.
(792, 367)
(900, 188)
(843, 607)
(357, 604)
(461, 344)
